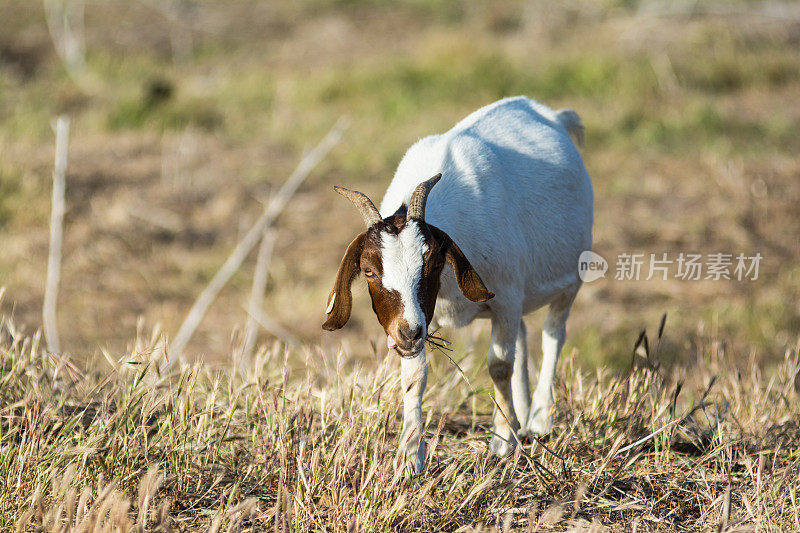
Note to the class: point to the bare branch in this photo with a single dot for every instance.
(65, 23)
(56, 235)
(249, 241)
(155, 216)
(256, 300)
(273, 327)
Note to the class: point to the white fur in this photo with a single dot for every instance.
(516, 198)
(413, 378)
(402, 269)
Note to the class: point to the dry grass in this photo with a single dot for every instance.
(311, 448)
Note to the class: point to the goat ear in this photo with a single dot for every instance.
(467, 278)
(340, 300)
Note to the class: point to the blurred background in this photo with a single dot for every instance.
(187, 116)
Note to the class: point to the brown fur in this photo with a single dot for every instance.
(364, 253)
(348, 270)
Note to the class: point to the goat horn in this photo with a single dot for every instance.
(416, 207)
(364, 205)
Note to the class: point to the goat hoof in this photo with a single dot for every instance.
(499, 447)
(540, 424)
(412, 463)
(524, 434)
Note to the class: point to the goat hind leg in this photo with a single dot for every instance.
(520, 384)
(540, 421)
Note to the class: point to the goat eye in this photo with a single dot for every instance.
(369, 273)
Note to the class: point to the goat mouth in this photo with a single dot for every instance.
(410, 353)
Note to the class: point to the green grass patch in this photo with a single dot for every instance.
(729, 70)
(405, 87)
(704, 126)
(158, 106)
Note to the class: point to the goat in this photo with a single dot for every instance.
(512, 211)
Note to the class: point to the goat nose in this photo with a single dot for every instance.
(411, 334)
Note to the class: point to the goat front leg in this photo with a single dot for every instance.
(413, 378)
(500, 362)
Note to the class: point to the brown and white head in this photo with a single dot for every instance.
(402, 258)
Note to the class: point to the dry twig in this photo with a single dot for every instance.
(65, 24)
(234, 261)
(256, 300)
(61, 128)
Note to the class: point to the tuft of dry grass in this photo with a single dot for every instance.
(311, 447)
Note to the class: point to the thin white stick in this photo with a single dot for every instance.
(247, 243)
(65, 23)
(645, 439)
(256, 299)
(56, 235)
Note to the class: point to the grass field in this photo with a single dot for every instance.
(186, 118)
(304, 446)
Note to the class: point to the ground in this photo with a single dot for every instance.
(188, 116)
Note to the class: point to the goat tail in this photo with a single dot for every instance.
(572, 123)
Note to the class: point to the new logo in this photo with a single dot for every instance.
(591, 266)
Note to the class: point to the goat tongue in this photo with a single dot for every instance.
(390, 343)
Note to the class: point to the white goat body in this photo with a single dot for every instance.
(511, 212)
(514, 195)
